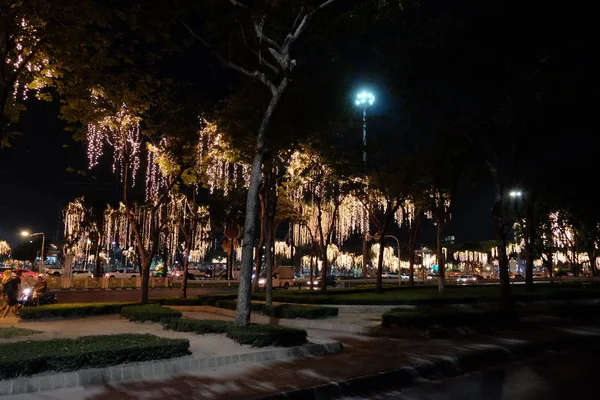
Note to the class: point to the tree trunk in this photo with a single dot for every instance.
(505, 298)
(440, 253)
(269, 235)
(529, 242)
(261, 241)
(242, 314)
(186, 263)
(412, 239)
(97, 263)
(324, 269)
(310, 271)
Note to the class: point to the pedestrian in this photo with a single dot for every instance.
(5, 277)
(10, 286)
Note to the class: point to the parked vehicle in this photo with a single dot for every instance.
(122, 273)
(283, 277)
(54, 270)
(81, 274)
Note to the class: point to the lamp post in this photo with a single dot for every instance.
(27, 234)
(365, 99)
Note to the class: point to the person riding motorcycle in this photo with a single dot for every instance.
(40, 289)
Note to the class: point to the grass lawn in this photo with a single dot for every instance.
(12, 332)
(452, 294)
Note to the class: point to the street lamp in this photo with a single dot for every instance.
(515, 193)
(365, 99)
(27, 234)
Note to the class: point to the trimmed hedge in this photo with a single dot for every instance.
(194, 301)
(35, 356)
(292, 311)
(255, 335)
(198, 326)
(72, 310)
(423, 318)
(267, 335)
(232, 304)
(149, 312)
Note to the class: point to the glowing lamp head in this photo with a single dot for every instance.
(24, 233)
(365, 99)
(515, 193)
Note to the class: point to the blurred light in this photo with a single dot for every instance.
(24, 233)
(515, 193)
(365, 99)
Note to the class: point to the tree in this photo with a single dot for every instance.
(273, 65)
(37, 40)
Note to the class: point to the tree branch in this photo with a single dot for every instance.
(254, 75)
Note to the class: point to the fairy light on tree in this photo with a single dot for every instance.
(119, 130)
(4, 248)
(390, 260)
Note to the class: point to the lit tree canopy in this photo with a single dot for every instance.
(4, 247)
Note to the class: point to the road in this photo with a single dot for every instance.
(89, 296)
(556, 377)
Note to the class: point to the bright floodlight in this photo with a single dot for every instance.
(365, 99)
(515, 193)
(24, 233)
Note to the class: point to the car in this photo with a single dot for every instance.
(122, 273)
(467, 279)
(517, 276)
(329, 281)
(404, 276)
(27, 273)
(81, 274)
(432, 277)
(389, 275)
(54, 270)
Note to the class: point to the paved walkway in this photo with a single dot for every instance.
(362, 356)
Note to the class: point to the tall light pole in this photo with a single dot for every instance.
(365, 99)
(27, 234)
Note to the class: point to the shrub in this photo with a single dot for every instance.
(232, 304)
(298, 311)
(71, 310)
(267, 335)
(35, 356)
(149, 312)
(422, 318)
(198, 326)
(177, 301)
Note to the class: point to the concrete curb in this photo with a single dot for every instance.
(473, 357)
(156, 369)
(322, 324)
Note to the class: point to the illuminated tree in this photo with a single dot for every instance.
(272, 66)
(4, 248)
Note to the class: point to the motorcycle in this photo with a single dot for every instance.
(26, 299)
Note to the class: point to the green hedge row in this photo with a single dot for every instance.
(197, 326)
(254, 335)
(423, 318)
(289, 311)
(149, 312)
(292, 311)
(35, 356)
(194, 301)
(72, 310)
